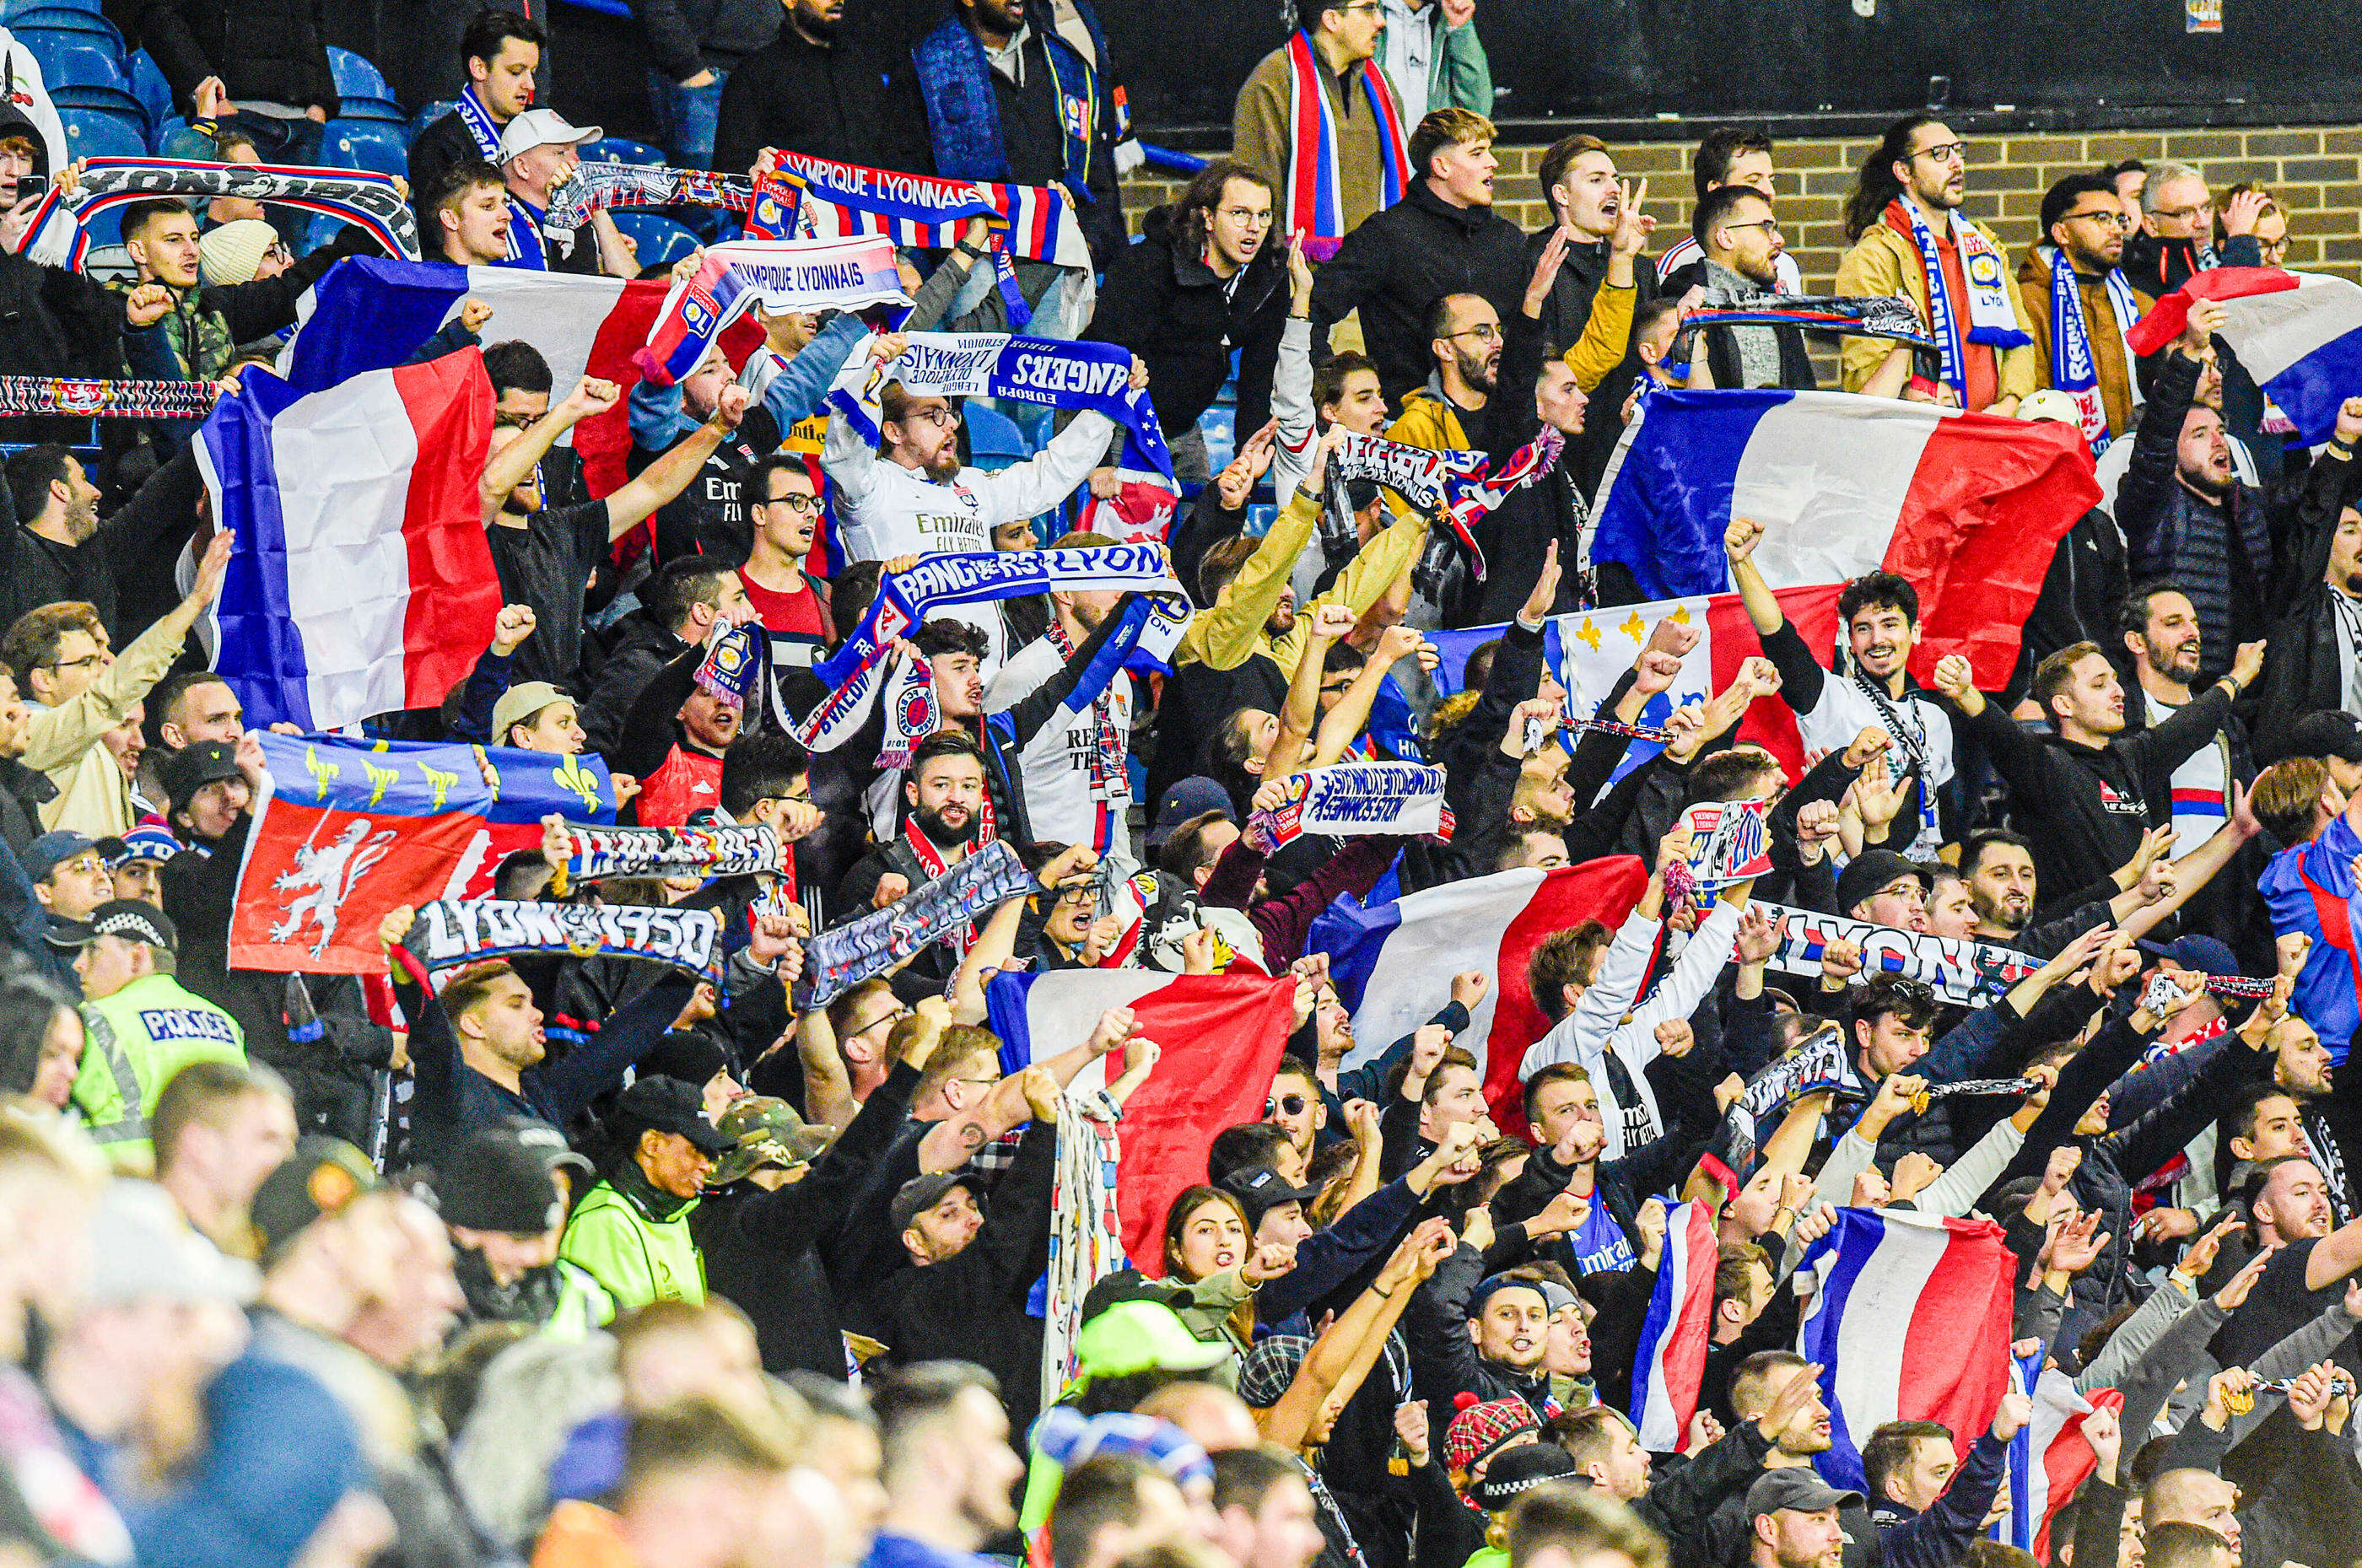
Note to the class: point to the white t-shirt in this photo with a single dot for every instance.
(1845, 710)
(2199, 785)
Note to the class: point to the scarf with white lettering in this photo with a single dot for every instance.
(107, 400)
(1350, 799)
(56, 236)
(479, 121)
(1993, 320)
(855, 671)
(777, 274)
(600, 187)
(1456, 488)
(1094, 377)
(837, 960)
(456, 932)
(912, 712)
(594, 853)
(2074, 369)
(1964, 972)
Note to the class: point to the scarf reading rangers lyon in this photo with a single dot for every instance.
(1993, 319)
(1315, 191)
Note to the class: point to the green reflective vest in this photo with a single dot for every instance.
(135, 1042)
(637, 1256)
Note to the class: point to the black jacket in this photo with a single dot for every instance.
(2301, 674)
(38, 571)
(440, 148)
(799, 97)
(2086, 807)
(1565, 315)
(54, 322)
(644, 649)
(760, 1248)
(270, 49)
(1169, 307)
(2082, 597)
(1396, 265)
(685, 36)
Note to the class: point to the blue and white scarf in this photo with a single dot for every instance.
(855, 671)
(457, 932)
(1350, 799)
(1992, 321)
(479, 121)
(839, 959)
(2074, 369)
(1096, 377)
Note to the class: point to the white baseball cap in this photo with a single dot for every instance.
(543, 127)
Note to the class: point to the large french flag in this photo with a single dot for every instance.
(1221, 1035)
(1671, 1360)
(1910, 1322)
(1589, 650)
(1393, 963)
(369, 314)
(361, 582)
(2049, 1457)
(1967, 507)
(2297, 334)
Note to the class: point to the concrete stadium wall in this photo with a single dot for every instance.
(2315, 171)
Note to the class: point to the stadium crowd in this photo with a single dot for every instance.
(1892, 1117)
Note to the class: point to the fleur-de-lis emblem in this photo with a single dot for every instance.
(380, 780)
(441, 781)
(573, 776)
(323, 773)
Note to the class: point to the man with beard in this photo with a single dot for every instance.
(1757, 1390)
(1879, 612)
(2087, 793)
(503, 1193)
(801, 93)
(948, 1467)
(1998, 867)
(1442, 237)
(2070, 277)
(2313, 667)
(921, 499)
(1741, 251)
(62, 551)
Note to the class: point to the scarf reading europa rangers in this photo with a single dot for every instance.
(593, 853)
(856, 671)
(822, 200)
(56, 236)
(1096, 377)
(456, 932)
(1316, 186)
(1993, 319)
(943, 908)
(1458, 488)
(777, 274)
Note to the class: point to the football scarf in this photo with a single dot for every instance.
(777, 274)
(1316, 190)
(943, 910)
(2074, 369)
(1992, 319)
(107, 400)
(1456, 488)
(456, 932)
(55, 236)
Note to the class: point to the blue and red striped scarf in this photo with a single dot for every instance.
(1315, 181)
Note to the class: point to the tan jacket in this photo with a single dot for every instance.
(1232, 633)
(93, 797)
(2099, 325)
(1884, 262)
(1261, 135)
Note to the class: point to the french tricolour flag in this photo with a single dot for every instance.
(369, 314)
(1221, 1037)
(1589, 650)
(1671, 1360)
(1393, 963)
(2297, 334)
(1967, 507)
(2049, 1457)
(361, 582)
(1910, 1322)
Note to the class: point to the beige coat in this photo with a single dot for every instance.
(93, 797)
(1884, 262)
(1261, 135)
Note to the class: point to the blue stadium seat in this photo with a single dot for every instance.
(377, 111)
(155, 94)
(78, 60)
(661, 241)
(428, 115)
(11, 11)
(364, 144)
(51, 18)
(619, 149)
(103, 133)
(1219, 425)
(994, 441)
(355, 77)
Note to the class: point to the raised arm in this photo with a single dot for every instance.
(661, 480)
(513, 464)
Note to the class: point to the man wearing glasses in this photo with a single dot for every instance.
(1910, 238)
(2176, 231)
(1740, 248)
(785, 506)
(2079, 304)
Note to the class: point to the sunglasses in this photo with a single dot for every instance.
(1287, 1104)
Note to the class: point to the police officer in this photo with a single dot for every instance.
(632, 1232)
(141, 1025)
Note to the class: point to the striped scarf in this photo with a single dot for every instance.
(105, 400)
(479, 121)
(56, 236)
(1315, 192)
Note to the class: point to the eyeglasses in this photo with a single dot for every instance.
(1287, 1104)
(1363, 10)
(2183, 214)
(83, 663)
(1487, 333)
(2273, 249)
(897, 1016)
(944, 418)
(801, 505)
(1249, 215)
(1946, 152)
(2113, 217)
(1769, 226)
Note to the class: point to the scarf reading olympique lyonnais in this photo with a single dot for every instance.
(855, 671)
(2074, 369)
(1993, 320)
(943, 908)
(55, 236)
(777, 274)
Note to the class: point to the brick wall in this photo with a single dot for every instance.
(2314, 170)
